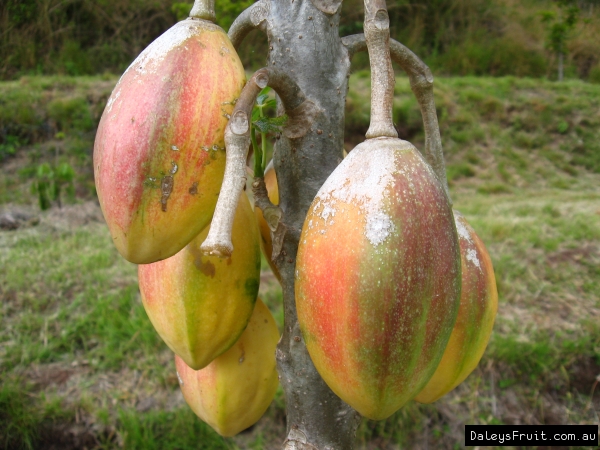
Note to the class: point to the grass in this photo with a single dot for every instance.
(81, 365)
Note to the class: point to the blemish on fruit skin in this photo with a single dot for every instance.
(166, 188)
(193, 190)
(206, 267)
(179, 378)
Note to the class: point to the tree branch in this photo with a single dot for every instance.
(237, 143)
(421, 83)
(251, 18)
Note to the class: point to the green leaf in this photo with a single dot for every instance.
(55, 191)
(263, 96)
(45, 172)
(65, 173)
(270, 125)
(42, 190)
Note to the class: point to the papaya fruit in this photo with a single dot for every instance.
(159, 154)
(266, 242)
(475, 320)
(200, 304)
(234, 391)
(378, 276)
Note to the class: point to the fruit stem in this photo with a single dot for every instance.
(377, 35)
(258, 169)
(421, 83)
(238, 138)
(203, 9)
(237, 141)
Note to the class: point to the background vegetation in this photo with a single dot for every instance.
(455, 37)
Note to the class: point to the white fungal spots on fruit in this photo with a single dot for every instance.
(149, 59)
(174, 148)
(379, 226)
(166, 188)
(364, 179)
(462, 230)
(327, 212)
(472, 257)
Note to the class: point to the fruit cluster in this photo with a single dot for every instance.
(159, 160)
(395, 293)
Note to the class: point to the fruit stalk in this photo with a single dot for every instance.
(237, 142)
(421, 83)
(377, 35)
(203, 9)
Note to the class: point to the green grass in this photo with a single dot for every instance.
(173, 430)
(77, 350)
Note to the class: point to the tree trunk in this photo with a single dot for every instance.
(304, 42)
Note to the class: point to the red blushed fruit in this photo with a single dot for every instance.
(235, 390)
(159, 152)
(478, 306)
(378, 277)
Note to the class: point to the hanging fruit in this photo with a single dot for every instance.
(159, 152)
(265, 232)
(200, 304)
(378, 267)
(475, 320)
(234, 391)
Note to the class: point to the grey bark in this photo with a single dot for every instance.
(304, 42)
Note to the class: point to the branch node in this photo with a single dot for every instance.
(327, 6)
(239, 122)
(277, 238)
(261, 78)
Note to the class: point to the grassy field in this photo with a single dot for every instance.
(81, 366)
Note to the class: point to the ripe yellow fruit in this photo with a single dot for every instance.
(234, 391)
(475, 320)
(201, 304)
(266, 242)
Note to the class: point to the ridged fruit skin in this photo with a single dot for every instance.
(234, 391)
(159, 154)
(266, 242)
(475, 320)
(199, 304)
(378, 276)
